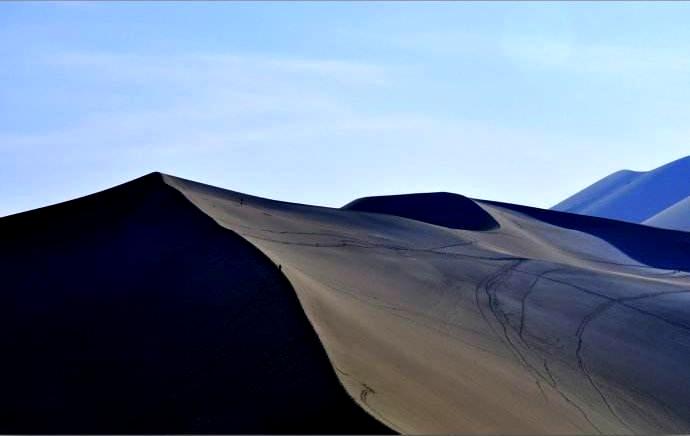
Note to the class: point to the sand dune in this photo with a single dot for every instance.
(674, 217)
(589, 199)
(654, 247)
(140, 309)
(440, 208)
(130, 311)
(633, 196)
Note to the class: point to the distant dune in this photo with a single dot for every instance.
(674, 217)
(594, 197)
(166, 305)
(638, 197)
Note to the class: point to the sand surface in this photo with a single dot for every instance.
(131, 311)
(538, 323)
(675, 217)
(638, 196)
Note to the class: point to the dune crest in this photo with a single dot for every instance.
(439, 208)
(130, 311)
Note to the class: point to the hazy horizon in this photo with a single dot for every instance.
(322, 103)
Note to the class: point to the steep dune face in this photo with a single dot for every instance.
(530, 327)
(440, 208)
(539, 324)
(633, 197)
(130, 311)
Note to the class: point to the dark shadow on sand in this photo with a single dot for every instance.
(439, 208)
(659, 248)
(131, 311)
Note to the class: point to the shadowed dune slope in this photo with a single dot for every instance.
(130, 311)
(439, 208)
(659, 248)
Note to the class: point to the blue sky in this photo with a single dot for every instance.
(324, 102)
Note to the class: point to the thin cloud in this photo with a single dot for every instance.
(546, 52)
(606, 59)
(214, 66)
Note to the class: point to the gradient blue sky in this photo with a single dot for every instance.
(325, 102)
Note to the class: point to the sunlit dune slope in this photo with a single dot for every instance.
(529, 327)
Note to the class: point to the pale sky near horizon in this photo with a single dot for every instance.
(322, 103)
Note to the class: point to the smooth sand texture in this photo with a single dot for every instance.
(633, 196)
(440, 208)
(598, 192)
(538, 325)
(659, 248)
(675, 217)
(528, 328)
